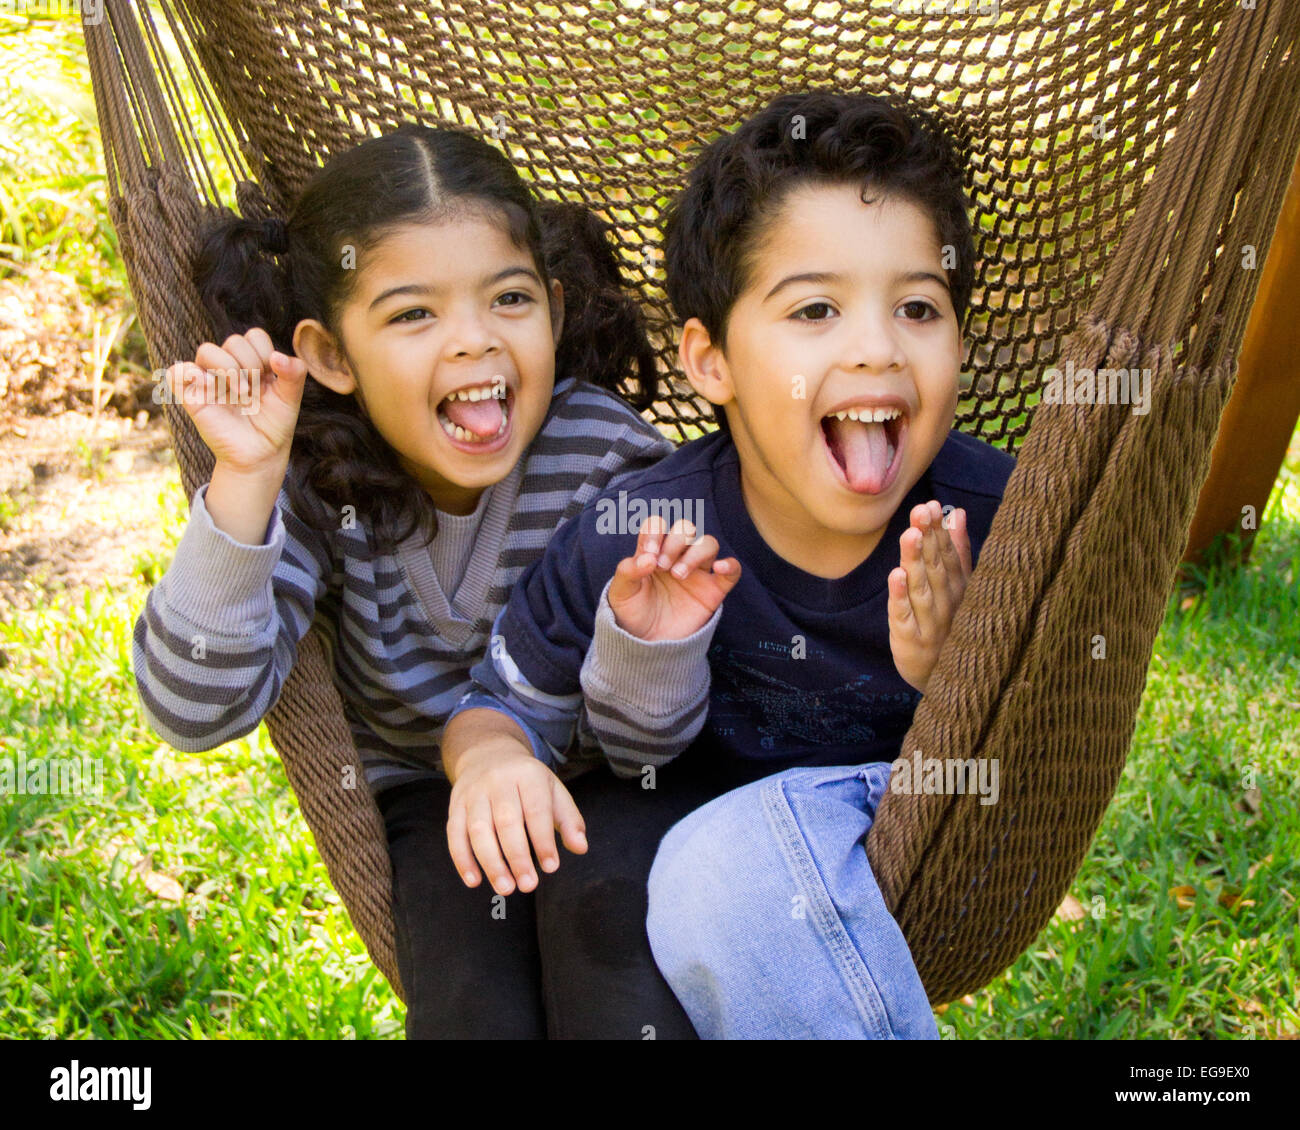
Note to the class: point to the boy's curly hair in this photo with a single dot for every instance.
(713, 227)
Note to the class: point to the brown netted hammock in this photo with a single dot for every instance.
(1123, 157)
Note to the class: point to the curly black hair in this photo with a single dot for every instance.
(258, 273)
(885, 144)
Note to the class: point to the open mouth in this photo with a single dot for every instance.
(476, 418)
(865, 444)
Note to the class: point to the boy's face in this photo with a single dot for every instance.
(847, 309)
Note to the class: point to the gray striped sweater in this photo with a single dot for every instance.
(219, 632)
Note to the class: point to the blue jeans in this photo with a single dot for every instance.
(767, 922)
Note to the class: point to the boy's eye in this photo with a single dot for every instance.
(825, 308)
(924, 307)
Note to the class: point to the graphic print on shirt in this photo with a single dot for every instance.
(746, 699)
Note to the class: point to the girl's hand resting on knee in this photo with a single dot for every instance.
(670, 587)
(501, 798)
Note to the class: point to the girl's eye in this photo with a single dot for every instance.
(824, 306)
(521, 295)
(405, 315)
(924, 306)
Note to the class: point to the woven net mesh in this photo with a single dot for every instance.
(1123, 156)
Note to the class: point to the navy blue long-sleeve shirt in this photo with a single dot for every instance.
(792, 670)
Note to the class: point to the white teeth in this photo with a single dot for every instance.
(868, 415)
(485, 392)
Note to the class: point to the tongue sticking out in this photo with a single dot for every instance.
(482, 417)
(863, 450)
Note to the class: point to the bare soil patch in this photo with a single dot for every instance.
(83, 461)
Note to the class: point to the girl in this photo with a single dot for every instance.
(457, 413)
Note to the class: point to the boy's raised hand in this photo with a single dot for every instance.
(925, 590)
(501, 799)
(673, 583)
(243, 397)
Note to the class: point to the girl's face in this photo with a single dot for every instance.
(449, 346)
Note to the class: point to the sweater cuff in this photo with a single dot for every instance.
(481, 700)
(220, 584)
(659, 678)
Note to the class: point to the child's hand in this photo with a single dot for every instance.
(503, 797)
(926, 589)
(669, 587)
(243, 397)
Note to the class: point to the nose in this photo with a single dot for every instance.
(872, 342)
(468, 335)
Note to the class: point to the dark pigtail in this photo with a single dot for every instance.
(241, 278)
(604, 338)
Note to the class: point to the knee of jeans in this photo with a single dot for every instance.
(600, 919)
(699, 864)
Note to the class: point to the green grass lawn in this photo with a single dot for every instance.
(189, 900)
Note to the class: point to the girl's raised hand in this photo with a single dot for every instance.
(243, 397)
(671, 586)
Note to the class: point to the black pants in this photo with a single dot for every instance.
(568, 960)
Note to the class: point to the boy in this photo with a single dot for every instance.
(821, 261)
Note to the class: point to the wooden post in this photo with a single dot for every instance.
(1261, 413)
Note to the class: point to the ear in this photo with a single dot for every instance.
(705, 364)
(325, 360)
(557, 309)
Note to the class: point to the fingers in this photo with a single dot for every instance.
(244, 355)
(567, 818)
(260, 342)
(496, 830)
(512, 835)
(214, 357)
(230, 369)
(945, 552)
(483, 840)
(699, 556)
(919, 593)
(947, 547)
(942, 582)
(630, 575)
(959, 535)
(679, 551)
(290, 377)
(188, 384)
(535, 798)
(684, 552)
(902, 623)
(650, 537)
(458, 843)
(679, 537)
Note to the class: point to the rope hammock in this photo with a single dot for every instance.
(1123, 158)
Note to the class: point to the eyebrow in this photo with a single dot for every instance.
(831, 277)
(416, 288)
